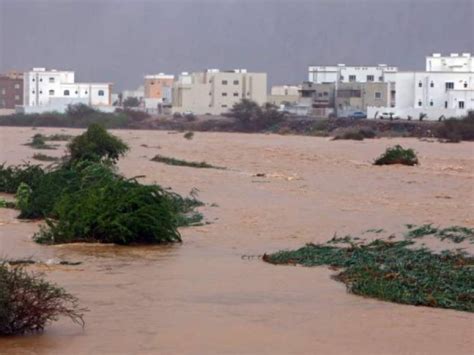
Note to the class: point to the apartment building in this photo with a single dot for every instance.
(284, 94)
(445, 89)
(215, 92)
(349, 74)
(158, 93)
(11, 91)
(53, 90)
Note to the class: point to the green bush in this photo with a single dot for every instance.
(178, 162)
(96, 144)
(44, 157)
(28, 303)
(397, 155)
(455, 130)
(111, 209)
(38, 141)
(12, 176)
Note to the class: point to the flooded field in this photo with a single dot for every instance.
(212, 294)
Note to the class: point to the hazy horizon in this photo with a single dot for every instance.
(120, 41)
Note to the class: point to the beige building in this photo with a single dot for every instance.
(159, 86)
(215, 91)
(284, 95)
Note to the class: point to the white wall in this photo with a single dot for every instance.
(342, 73)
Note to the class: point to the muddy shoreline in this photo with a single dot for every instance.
(203, 297)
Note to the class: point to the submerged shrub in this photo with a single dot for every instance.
(111, 209)
(393, 271)
(12, 176)
(178, 162)
(397, 155)
(96, 144)
(44, 157)
(28, 303)
(38, 141)
(189, 135)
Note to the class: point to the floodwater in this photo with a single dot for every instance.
(211, 294)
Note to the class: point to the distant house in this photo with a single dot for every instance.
(53, 90)
(444, 89)
(215, 92)
(11, 91)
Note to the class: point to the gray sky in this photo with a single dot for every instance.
(121, 40)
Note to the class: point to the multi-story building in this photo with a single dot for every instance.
(349, 74)
(444, 89)
(158, 93)
(284, 94)
(11, 90)
(215, 91)
(53, 90)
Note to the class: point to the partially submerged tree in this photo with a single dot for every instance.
(96, 144)
(397, 155)
(28, 303)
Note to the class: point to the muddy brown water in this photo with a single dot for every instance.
(207, 296)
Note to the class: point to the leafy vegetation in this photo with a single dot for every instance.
(252, 117)
(393, 271)
(189, 135)
(456, 234)
(59, 137)
(96, 144)
(131, 102)
(77, 116)
(44, 157)
(178, 162)
(85, 199)
(397, 155)
(28, 303)
(38, 141)
(356, 134)
(455, 130)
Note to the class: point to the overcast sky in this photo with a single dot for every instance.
(121, 40)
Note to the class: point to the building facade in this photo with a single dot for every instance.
(215, 92)
(53, 90)
(284, 95)
(445, 89)
(11, 90)
(349, 74)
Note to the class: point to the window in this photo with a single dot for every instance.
(41, 79)
(76, 92)
(152, 83)
(378, 95)
(465, 85)
(101, 93)
(51, 80)
(86, 92)
(431, 103)
(223, 106)
(341, 79)
(432, 85)
(320, 94)
(224, 82)
(370, 78)
(325, 93)
(224, 94)
(446, 104)
(380, 78)
(461, 104)
(449, 85)
(236, 94)
(66, 92)
(41, 91)
(420, 84)
(17, 86)
(33, 80)
(17, 97)
(420, 103)
(352, 78)
(51, 92)
(33, 91)
(236, 82)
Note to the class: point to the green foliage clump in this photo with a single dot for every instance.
(59, 137)
(38, 141)
(456, 234)
(189, 135)
(252, 117)
(12, 176)
(393, 271)
(178, 162)
(44, 157)
(397, 155)
(455, 130)
(110, 209)
(28, 303)
(96, 144)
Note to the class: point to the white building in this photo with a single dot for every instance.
(445, 89)
(349, 74)
(215, 92)
(53, 90)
